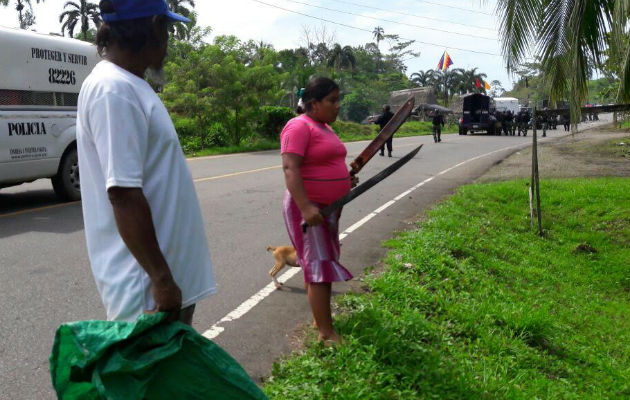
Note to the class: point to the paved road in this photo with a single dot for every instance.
(46, 278)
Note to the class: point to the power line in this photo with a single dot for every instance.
(455, 7)
(414, 15)
(369, 31)
(394, 22)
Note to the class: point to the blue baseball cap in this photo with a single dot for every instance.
(132, 9)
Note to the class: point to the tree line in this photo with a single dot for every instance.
(230, 89)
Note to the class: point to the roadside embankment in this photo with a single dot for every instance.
(473, 304)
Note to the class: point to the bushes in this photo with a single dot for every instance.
(273, 119)
(194, 136)
(355, 106)
(351, 130)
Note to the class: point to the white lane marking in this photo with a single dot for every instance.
(215, 330)
(250, 171)
(250, 303)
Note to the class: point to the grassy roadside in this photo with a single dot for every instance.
(347, 131)
(473, 304)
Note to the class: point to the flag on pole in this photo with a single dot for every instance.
(477, 83)
(445, 62)
(486, 85)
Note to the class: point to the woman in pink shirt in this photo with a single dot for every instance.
(313, 160)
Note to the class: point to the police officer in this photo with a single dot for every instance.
(438, 123)
(382, 120)
(544, 120)
(507, 122)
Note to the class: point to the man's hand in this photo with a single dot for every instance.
(311, 215)
(167, 296)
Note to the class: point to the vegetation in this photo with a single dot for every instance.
(569, 41)
(225, 92)
(452, 81)
(26, 17)
(473, 304)
(220, 92)
(82, 12)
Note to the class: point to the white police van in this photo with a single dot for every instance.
(40, 79)
(507, 104)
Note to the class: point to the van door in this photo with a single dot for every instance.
(25, 136)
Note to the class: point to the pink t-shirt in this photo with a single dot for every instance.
(323, 169)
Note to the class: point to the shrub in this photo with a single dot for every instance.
(351, 129)
(190, 144)
(356, 106)
(217, 135)
(185, 126)
(273, 119)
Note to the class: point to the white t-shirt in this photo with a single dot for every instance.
(126, 138)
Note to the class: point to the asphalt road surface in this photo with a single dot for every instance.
(46, 279)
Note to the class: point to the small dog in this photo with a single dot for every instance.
(283, 255)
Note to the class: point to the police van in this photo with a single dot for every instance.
(40, 79)
(504, 104)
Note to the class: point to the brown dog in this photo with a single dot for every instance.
(283, 255)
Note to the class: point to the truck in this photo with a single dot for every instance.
(477, 115)
(503, 104)
(40, 79)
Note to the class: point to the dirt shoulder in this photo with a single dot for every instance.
(601, 151)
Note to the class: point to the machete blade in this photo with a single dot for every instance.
(362, 188)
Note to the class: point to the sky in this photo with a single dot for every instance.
(459, 27)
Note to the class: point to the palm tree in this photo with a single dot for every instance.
(467, 80)
(565, 35)
(379, 34)
(447, 82)
(178, 30)
(25, 17)
(423, 78)
(84, 11)
(341, 57)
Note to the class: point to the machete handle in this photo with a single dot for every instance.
(355, 168)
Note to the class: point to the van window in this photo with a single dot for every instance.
(34, 98)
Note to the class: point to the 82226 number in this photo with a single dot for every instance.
(61, 76)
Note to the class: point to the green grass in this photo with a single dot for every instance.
(351, 132)
(474, 305)
(245, 147)
(618, 147)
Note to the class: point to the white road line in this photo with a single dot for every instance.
(216, 329)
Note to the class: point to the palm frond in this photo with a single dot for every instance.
(518, 28)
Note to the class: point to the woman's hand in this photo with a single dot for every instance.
(311, 215)
(354, 181)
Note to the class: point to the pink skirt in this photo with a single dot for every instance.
(317, 250)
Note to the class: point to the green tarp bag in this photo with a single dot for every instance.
(145, 359)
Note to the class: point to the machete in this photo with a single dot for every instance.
(388, 130)
(362, 188)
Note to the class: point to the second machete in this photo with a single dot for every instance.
(362, 188)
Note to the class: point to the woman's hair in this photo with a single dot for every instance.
(133, 34)
(317, 89)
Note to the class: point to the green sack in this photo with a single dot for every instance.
(146, 359)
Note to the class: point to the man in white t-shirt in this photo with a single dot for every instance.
(146, 241)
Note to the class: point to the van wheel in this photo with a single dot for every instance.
(66, 183)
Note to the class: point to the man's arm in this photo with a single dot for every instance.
(135, 225)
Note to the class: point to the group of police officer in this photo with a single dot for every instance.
(513, 124)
